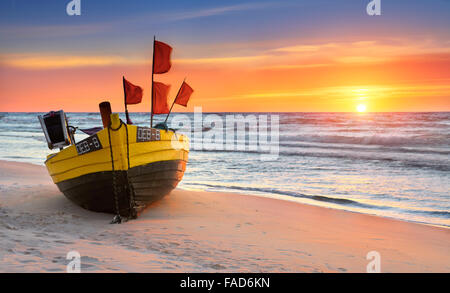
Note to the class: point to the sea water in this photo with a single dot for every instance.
(394, 165)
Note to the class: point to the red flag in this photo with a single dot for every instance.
(184, 94)
(160, 93)
(133, 93)
(161, 61)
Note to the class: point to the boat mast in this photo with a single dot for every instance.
(153, 69)
(125, 100)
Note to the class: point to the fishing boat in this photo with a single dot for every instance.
(120, 168)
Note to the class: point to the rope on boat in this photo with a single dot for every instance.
(132, 208)
(117, 218)
(132, 213)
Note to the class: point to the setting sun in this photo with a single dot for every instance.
(361, 108)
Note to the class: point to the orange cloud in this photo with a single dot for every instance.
(61, 61)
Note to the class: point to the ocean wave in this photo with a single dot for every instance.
(344, 124)
(371, 116)
(369, 148)
(328, 199)
(25, 136)
(376, 139)
(436, 165)
(322, 198)
(444, 214)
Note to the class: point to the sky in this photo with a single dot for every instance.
(245, 56)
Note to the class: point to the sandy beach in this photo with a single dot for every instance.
(202, 232)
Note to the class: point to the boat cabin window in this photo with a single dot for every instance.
(54, 125)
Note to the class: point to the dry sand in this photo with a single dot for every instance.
(202, 232)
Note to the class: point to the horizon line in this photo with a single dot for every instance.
(347, 112)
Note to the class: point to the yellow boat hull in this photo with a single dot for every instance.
(120, 168)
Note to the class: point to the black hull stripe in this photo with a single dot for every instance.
(151, 182)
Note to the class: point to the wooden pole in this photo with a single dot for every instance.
(170, 111)
(153, 70)
(125, 100)
(105, 111)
